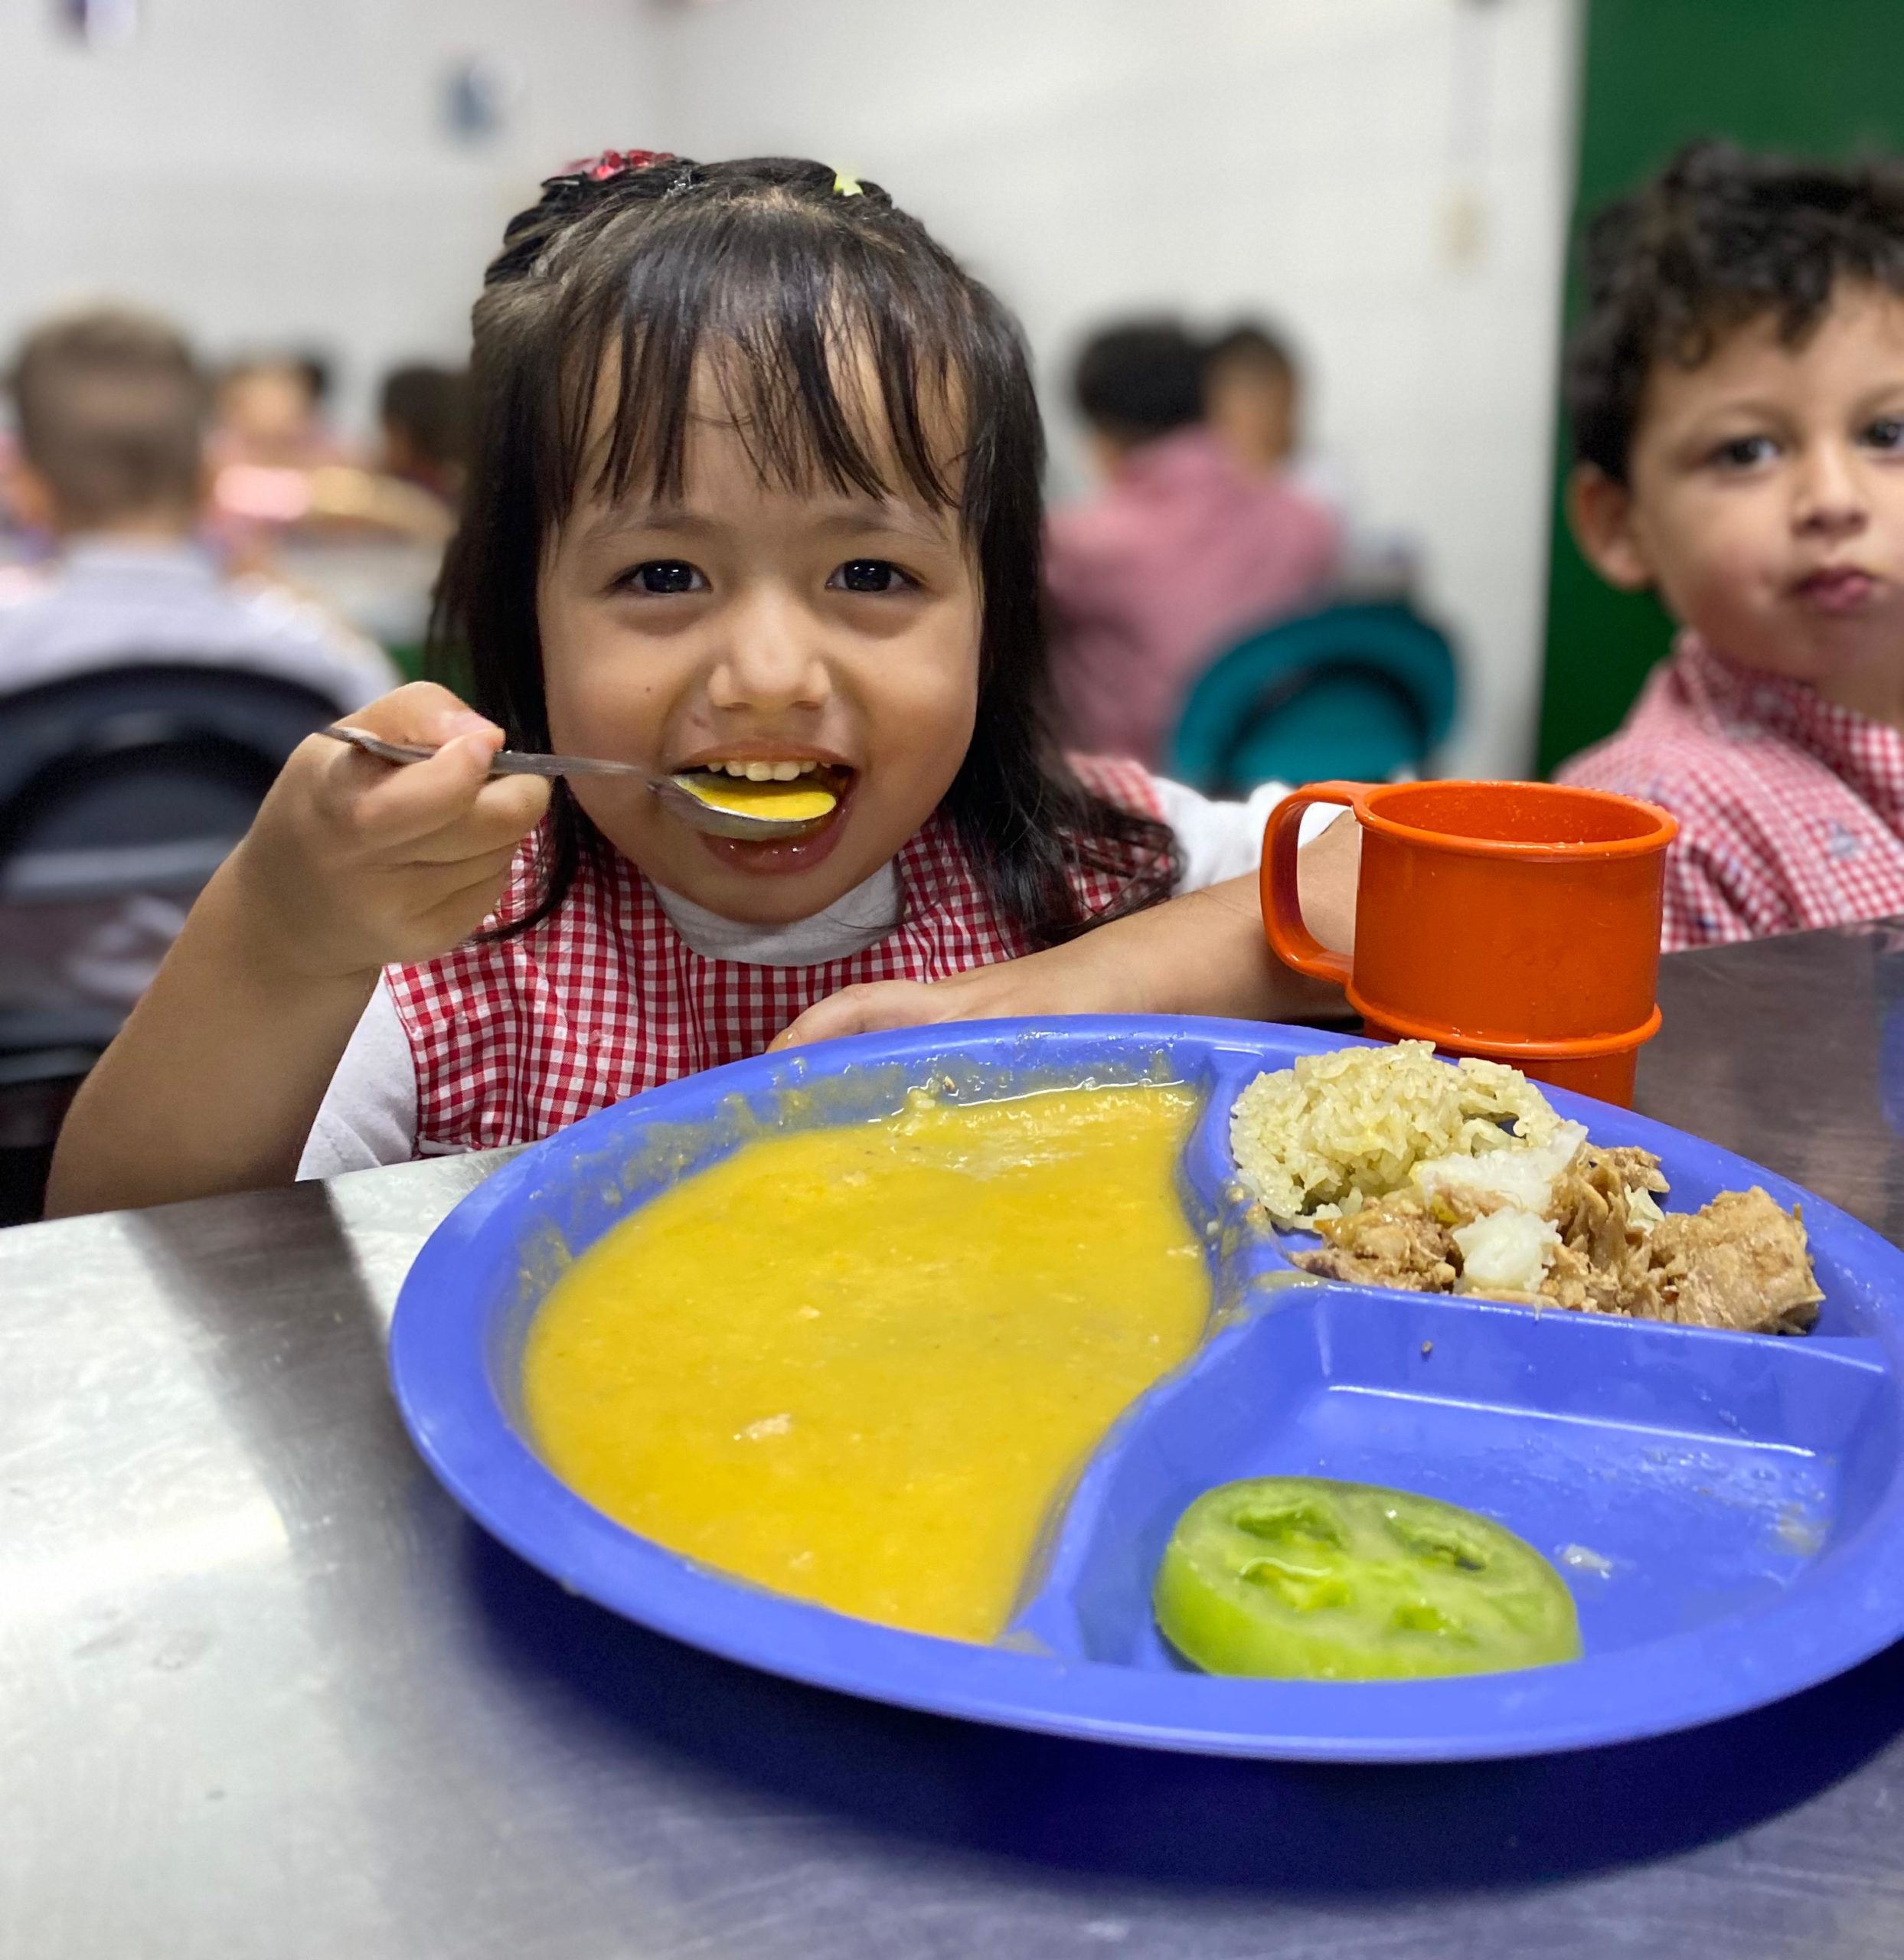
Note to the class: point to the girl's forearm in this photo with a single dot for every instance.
(215, 1079)
(1205, 953)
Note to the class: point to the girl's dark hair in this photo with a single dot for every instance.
(1720, 237)
(621, 277)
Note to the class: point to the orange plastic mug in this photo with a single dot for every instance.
(1516, 920)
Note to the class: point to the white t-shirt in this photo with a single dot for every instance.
(110, 600)
(369, 1114)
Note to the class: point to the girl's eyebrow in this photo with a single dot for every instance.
(891, 515)
(619, 519)
(887, 515)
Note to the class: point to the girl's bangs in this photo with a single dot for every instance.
(835, 369)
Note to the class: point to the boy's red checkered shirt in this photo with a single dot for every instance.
(514, 1039)
(1791, 809)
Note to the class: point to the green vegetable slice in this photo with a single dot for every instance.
(1311, 1579)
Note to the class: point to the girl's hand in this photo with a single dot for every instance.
(352, 864)
(1043, 983)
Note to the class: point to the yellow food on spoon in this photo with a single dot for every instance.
(793, 802)
(861, 1364)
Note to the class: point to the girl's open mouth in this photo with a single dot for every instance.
(807, 790)
(786, 791)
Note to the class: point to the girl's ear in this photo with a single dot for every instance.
(1600, 513)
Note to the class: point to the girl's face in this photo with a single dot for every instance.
(749, 622)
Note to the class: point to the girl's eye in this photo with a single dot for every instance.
(869, 575)
(1887, 432)
(662, 576)
(1745, 452)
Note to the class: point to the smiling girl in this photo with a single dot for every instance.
(755, 495)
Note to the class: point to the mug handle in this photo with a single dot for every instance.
(1292, 941)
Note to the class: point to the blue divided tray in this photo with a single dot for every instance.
(1728, 1509)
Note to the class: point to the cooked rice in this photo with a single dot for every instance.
(1316, 1140)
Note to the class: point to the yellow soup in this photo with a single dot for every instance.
(861, 1364)
(798, 801)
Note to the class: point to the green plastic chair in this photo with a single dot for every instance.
(1355, 691)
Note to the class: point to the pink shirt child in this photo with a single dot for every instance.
(1791, 809)
(1147, 582)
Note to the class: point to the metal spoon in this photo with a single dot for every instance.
(680, 799)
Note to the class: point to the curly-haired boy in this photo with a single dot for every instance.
(1736, 391)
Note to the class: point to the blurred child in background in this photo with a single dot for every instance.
(1184, 548)
(111, 408)
(1251, 396)
(280, 471)
(1736, 391)
(269, 411)
(1253, 400)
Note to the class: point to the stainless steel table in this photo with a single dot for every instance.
(264, 1691)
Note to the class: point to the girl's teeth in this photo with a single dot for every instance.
(788, 770)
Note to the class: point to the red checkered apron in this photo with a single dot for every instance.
(516, 1038)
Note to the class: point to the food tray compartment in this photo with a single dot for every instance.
(1854, 1285)
(1674, 1479)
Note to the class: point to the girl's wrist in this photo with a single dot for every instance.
(246, 916)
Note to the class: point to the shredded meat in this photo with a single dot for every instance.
(1397, 1242)
(1605, 1248)
(1739, 1262)
(1574, 1281)
(1592, 1201)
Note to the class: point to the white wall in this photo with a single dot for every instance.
(1317, 159)
(279, 170)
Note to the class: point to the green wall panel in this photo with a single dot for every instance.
(1821, 76)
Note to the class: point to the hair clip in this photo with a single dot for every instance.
(619, 163)
(845, 186)
(612, 164)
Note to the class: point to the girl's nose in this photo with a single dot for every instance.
(1830, 499)
(772, 658)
